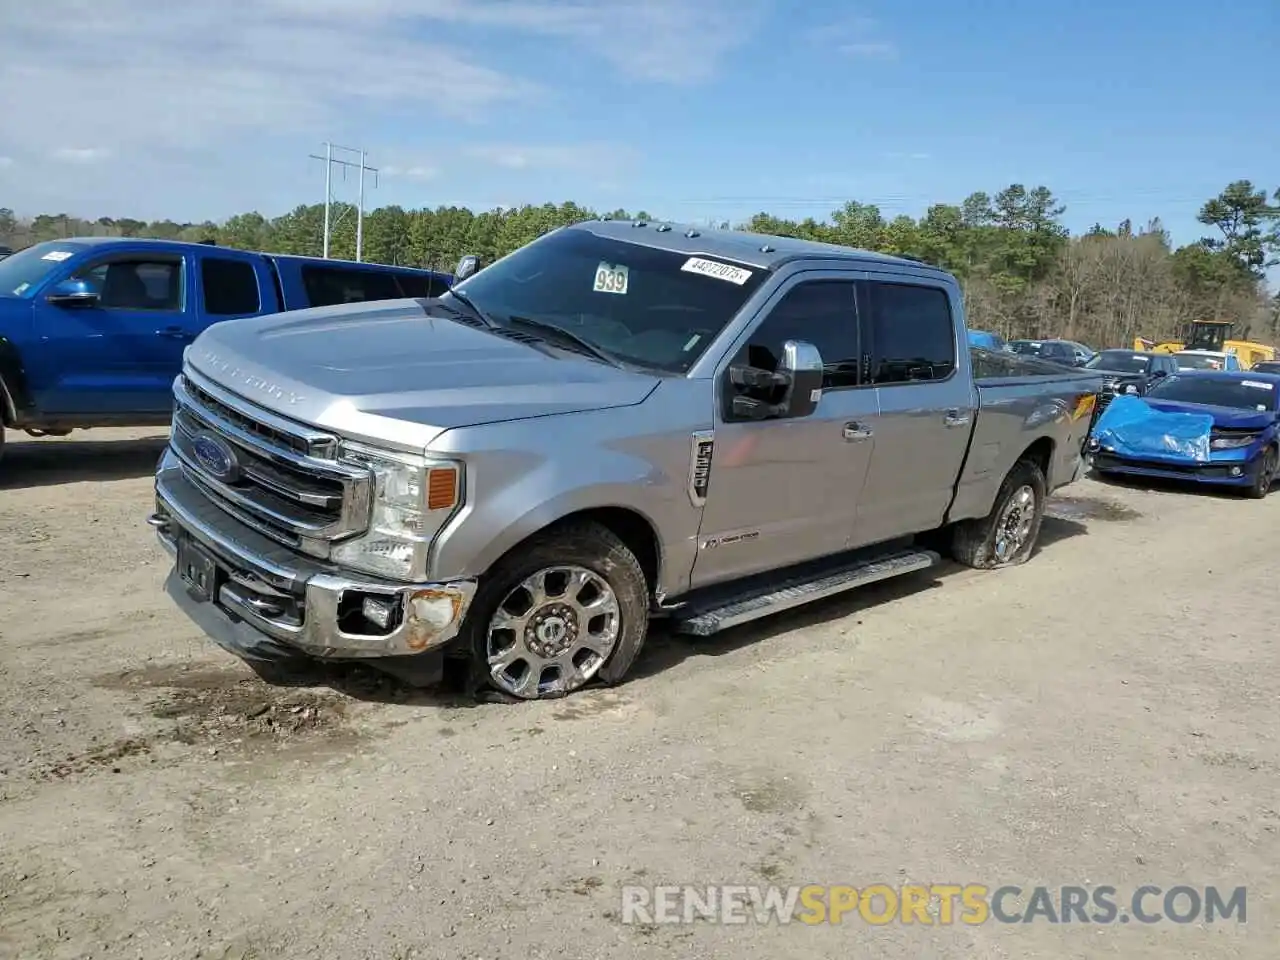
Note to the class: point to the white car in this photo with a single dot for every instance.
(1207, 360)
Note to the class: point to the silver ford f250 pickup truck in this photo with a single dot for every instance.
(617, 422)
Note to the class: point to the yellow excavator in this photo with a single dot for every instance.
(1212, 335)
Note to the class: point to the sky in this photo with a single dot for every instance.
(694, 110)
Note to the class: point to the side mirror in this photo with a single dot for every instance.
(466, 267)
(73, 293)
(793, 390)
(802, 361)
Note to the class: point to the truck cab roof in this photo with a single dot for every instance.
(764, 251)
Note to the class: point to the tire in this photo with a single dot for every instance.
(576, 560)
(1261, 485)
(975, 543)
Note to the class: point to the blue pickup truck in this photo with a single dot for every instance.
(92, 330)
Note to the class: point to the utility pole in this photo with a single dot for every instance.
(362, 166)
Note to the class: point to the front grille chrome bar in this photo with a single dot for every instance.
(288, 485)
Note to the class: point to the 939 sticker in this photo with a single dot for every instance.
(611, 278)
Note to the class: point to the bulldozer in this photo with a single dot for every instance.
(1212, 335)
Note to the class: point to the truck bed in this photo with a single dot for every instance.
(1023, 403)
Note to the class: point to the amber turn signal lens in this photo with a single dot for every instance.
(442, 489)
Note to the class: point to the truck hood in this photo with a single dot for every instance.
(1229, 417)
(388, 374)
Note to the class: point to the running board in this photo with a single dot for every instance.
(712, 616)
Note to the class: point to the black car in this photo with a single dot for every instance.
(1064, 352)
(1130, 371)
(1267, 366)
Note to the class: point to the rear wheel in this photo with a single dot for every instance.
(1007, 535)
(1266, 475)
(567, 608)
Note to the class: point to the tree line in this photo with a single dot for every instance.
(1023, 274)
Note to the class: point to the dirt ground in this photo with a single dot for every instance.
(1106, 714)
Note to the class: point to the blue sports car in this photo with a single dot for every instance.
(1219, 427)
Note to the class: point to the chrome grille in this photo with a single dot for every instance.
(287, 483)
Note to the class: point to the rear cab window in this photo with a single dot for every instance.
(229, 286)
(327, 286)
(910, 331)
(420, 284)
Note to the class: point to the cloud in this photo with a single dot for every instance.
(857, 37)
(214, 106)
(415, 172)
(583, 157)
(147, 73)
(6, 162)
(140, 74)
(80, 154)
(908, 156)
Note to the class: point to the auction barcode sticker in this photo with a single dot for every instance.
(1255, 384)
(713, 268)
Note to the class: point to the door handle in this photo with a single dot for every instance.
(174, 333)
(954, 419)
(854, 431)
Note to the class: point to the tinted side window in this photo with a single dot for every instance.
(822, 312)
(912, 333)
(419, 285)
(141, 284)
(230, 286)
(329, 285)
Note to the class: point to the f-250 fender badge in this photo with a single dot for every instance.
(701, 450)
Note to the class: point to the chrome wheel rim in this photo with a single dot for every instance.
(553, 632)
(1014, 526)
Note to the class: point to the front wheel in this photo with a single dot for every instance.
(566, 608)
(1266, 475)
(1007, 535)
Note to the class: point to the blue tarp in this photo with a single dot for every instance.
(1129, 428)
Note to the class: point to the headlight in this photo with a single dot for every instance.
(1231, 443)
(413, 498)
(1131, 389)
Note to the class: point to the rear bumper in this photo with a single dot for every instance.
(265, 602)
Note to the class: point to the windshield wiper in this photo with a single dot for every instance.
(471, 309)
(569, 336)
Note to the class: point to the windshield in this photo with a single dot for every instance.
(1267, 366)
(1122, 361)
(21, 271)
(1242, 393)
(653, 308)
(1197, 361)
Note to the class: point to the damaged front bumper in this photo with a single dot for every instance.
(1224, 473)
(265, 602)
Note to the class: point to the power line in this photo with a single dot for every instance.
(329, 161)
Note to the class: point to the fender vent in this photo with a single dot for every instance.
(700, 466)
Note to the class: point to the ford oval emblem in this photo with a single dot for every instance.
(215, 457)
